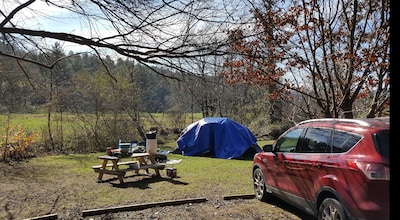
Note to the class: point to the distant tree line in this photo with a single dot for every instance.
(116, 93)
(82, 82)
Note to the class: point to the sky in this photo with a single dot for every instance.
(41, 16)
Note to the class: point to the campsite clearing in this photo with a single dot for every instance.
(66, 185)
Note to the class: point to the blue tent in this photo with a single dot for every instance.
(217, 136)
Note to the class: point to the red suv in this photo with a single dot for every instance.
(329, 168)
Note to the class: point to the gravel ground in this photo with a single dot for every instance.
(215, 209)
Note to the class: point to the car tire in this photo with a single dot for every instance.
(260, 189)
(332, 209)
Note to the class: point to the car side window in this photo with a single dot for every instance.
(316, 140)
(343, 141)
(288, 142)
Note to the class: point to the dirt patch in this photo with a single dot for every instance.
(215, 209)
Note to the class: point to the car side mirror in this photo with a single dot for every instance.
(267, 148)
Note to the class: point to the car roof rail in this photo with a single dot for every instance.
(336, 120)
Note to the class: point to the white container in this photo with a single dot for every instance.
(151, 146)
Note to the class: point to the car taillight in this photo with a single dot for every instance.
(373, 171)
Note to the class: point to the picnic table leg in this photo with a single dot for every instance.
(115, 164)
(153, 161)
(142, 161)
(120, 176)
(137, 160)
(103, 166)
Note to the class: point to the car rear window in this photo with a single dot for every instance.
(343, 141)
(382, 143)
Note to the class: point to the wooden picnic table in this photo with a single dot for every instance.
(139, 161)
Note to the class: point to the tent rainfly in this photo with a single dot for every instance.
(220, 137)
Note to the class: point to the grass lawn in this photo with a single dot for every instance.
(67, 186)
(66, 183)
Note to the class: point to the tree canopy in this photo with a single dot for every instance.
(322, 56)
(325, 58)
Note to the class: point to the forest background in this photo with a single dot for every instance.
(83, 109)
(265, 64)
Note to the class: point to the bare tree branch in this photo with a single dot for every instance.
(153, 32)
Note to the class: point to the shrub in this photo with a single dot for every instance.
(16, 144)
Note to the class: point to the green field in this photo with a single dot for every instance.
(69, 128)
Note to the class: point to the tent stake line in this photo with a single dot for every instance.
(92, 212)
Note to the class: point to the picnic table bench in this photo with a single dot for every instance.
(140, 161)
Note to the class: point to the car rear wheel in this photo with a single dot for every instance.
(331, 209)
(259, 185)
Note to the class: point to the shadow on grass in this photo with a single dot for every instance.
(144, 181)
(287, 207)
